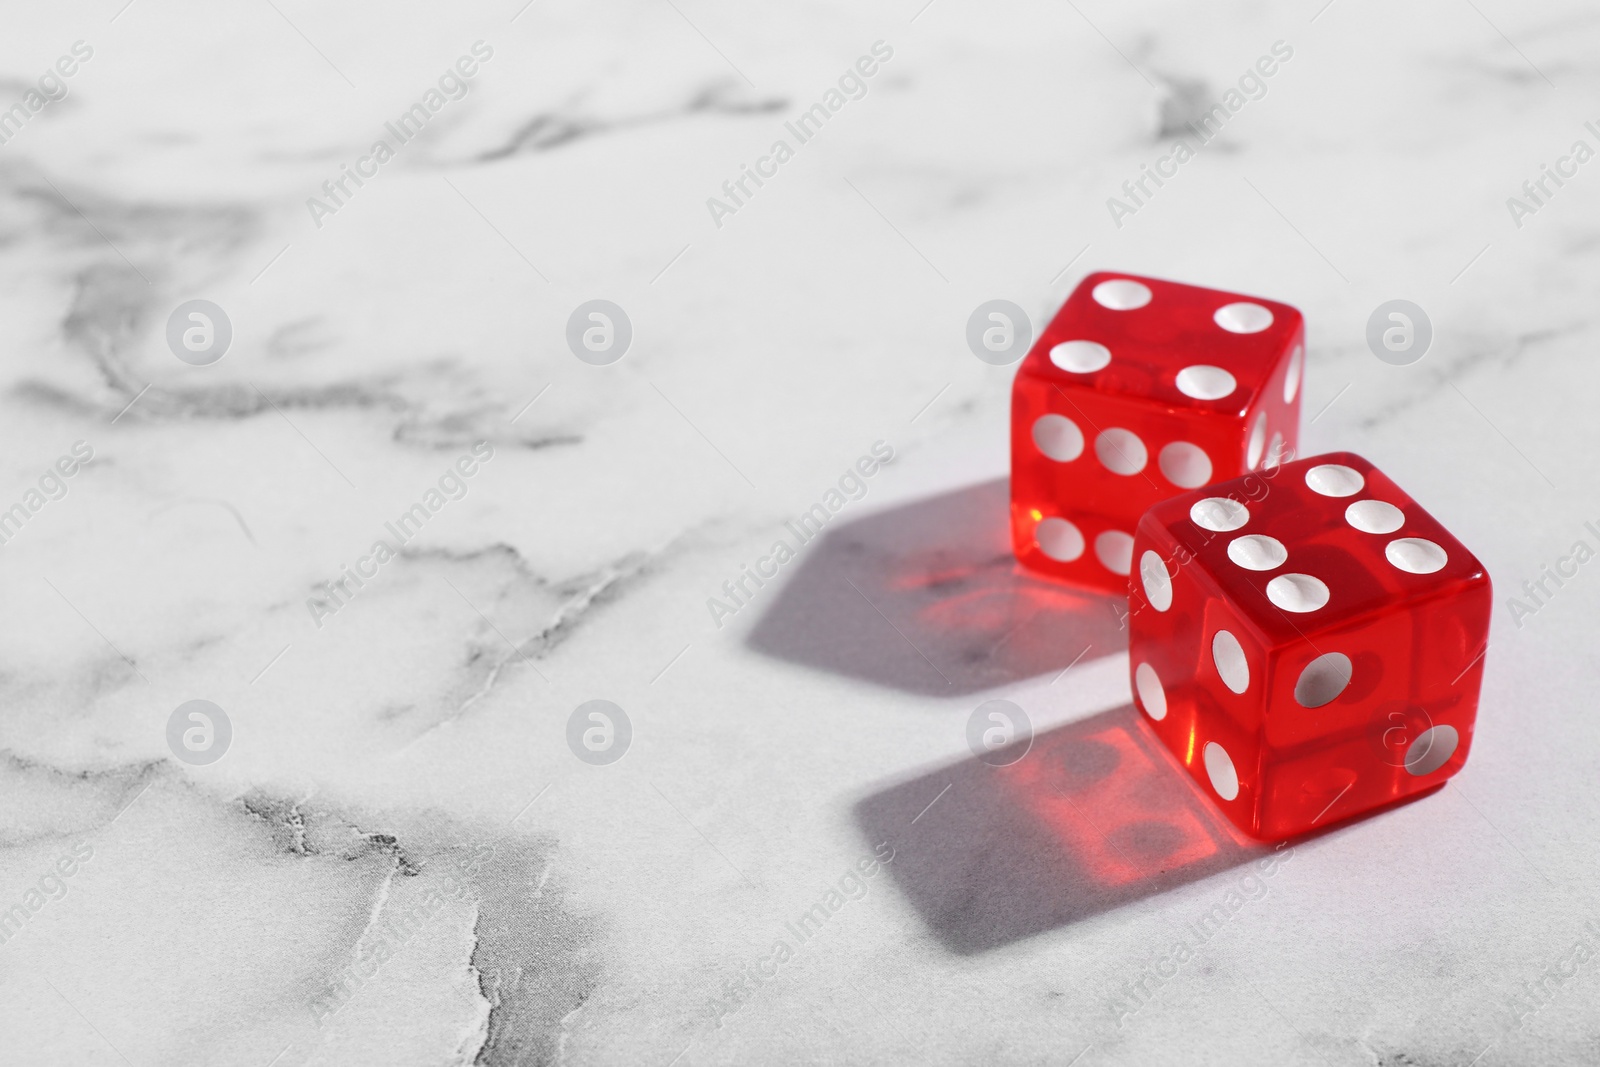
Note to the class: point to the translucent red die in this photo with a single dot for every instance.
(1307, 641)
(1139, 389)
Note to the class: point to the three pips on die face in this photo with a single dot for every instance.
(1304, 638)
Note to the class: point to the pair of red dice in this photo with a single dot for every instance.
(1305, 638)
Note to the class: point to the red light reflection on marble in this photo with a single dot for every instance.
(1118, 805)
(985, 599)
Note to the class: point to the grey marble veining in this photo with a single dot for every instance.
(400, 859)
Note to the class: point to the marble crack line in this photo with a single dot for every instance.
(564, 1031)
(611, 580)
(135, 779)
(550, 130)
(282, 814)
(461, 709)
(216, 501)
(476, 1035)
(380, 900)
(136, 772)
(590, 593)
(1478, 351)
(607, 583)
(544, 876)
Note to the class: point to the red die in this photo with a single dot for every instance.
(1307, 641)
(1139, 389)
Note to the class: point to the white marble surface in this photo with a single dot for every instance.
(410, 752)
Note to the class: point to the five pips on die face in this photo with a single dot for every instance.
(1328, 674)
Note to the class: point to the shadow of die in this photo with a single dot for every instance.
(928, 598)
(1094, 816)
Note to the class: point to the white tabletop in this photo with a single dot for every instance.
(398, 808)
